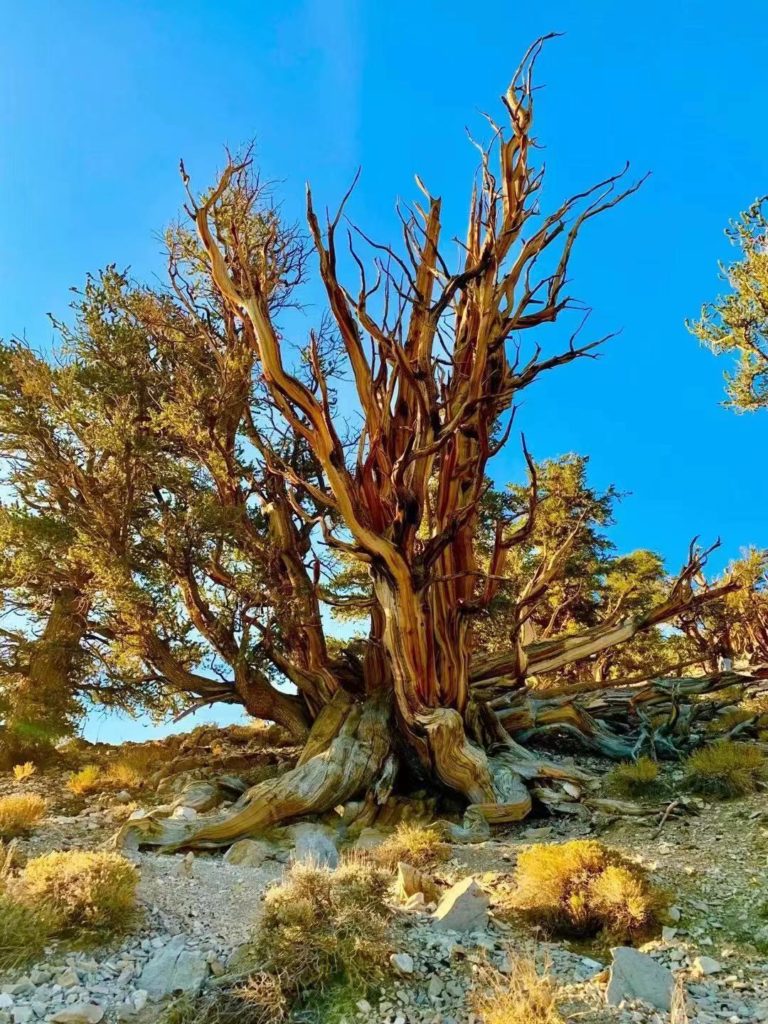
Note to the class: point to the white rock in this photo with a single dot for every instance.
(68, 978)
(249, 853)
(435, 987)
(369, 839)
(463, 908)
(174, 969)
(402, 962)
(635, 975)
(184, 813)
(315, 844)
(79, 1013)
(706, 965)
(6, 1001)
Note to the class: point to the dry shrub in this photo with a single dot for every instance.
(523, 997)
(259, 1001)
(257, 731)
(90, 779)
(141, 761)
(322, 926)
(635, 778)
(582, 888)
(80, 888)
(678, 1011)
(124, 775)
(24, 771)
(725, 769)
(24, 931)
(417, 845)
(8, 855)
(19, 813)
(130, 771)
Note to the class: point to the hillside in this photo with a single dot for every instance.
(198, 915)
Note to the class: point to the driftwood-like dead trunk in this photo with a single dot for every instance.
(436, 359)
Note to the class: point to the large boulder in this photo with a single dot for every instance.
(250, 853)
(314, 844)
(369, 839)
(174, 969)
(635, 975)
(463, 908)
(200, 796)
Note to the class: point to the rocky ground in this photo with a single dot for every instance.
(196, 911)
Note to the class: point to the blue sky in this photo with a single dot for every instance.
(98, 101)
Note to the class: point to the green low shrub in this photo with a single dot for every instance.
(323, 927)
(635, 778)
(725, 769)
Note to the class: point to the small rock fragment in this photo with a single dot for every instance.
(706, 965)
(402, 962)
(79, 1013)
(463, 908)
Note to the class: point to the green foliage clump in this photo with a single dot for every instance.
(323, 927)
(19, 813)
(635, 778)
(582, 888)
(24, 931)
(737, 324)
(80, 889)
(725, 769)
(729, 720)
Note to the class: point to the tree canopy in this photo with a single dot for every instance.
(736, 324)
(193, 487)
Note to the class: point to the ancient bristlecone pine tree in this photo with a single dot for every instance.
(437, 359)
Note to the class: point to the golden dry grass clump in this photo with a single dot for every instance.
(80, 889)
(635, 778)
(417, 845)
(130, 771)
(582, 888)
(323, 926)
(524, 996)
(725, 769)
(19, 813)
(24, 771)
(90, 779)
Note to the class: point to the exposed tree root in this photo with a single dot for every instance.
(658, 717)
(349, 756)
(339, 763)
